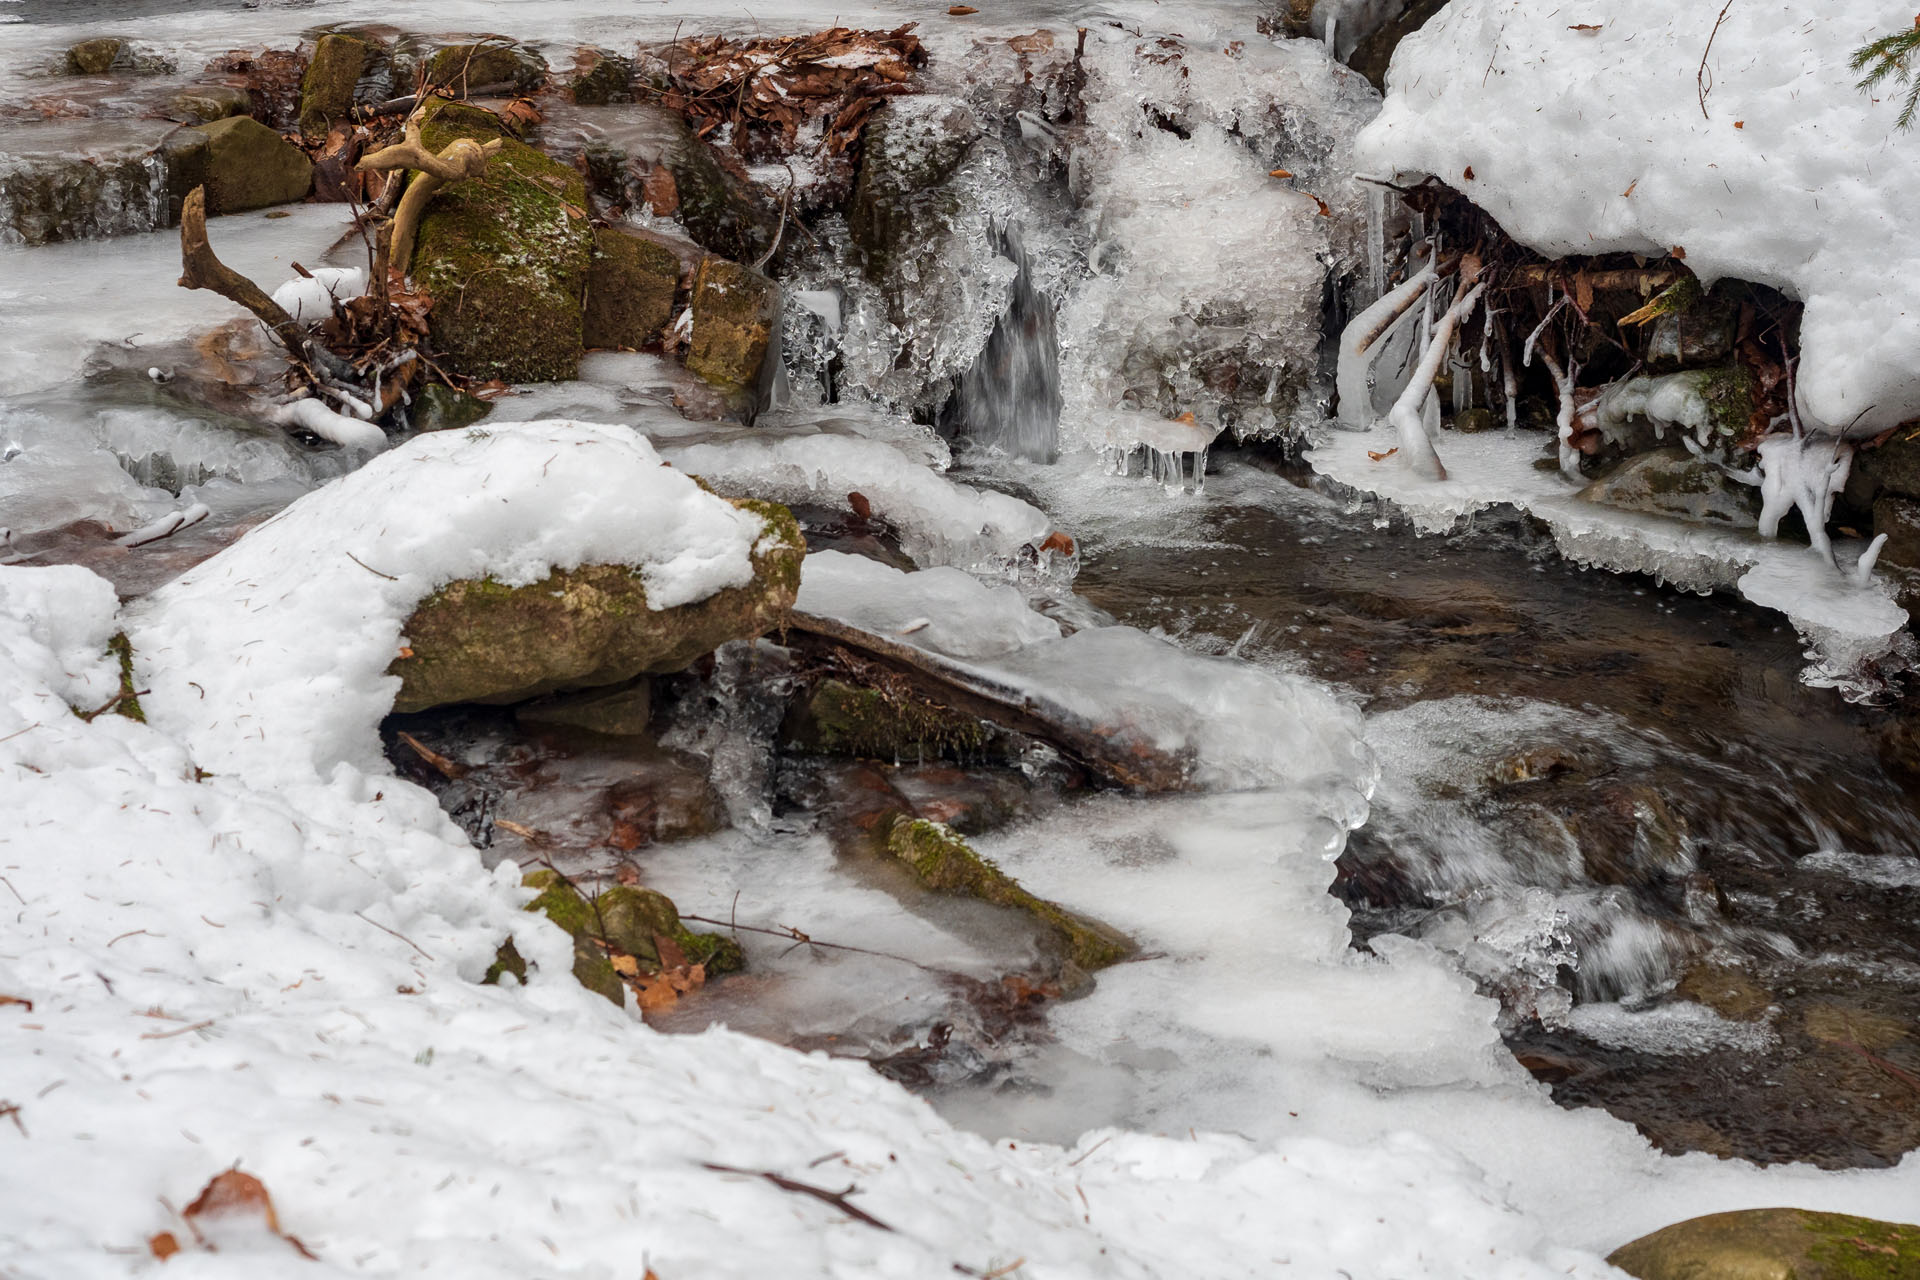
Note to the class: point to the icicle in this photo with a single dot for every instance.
(165, 527)
(1415, 444)
(1863, 571)
(1509, 383)
(1376, 242)
(1365, 340)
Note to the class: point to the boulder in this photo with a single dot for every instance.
(1697, 335)
(600, 78)
(1775, 1244)
(1672, 482)
(478, 640)
(631, 284)
(326, 90)
(735, 309)
(620, 711)
(464, 68)
(204, 102)
(94, 57)
(900, 199)
(1899, 519)
(438, 407)
(505, 257)
(249, 166)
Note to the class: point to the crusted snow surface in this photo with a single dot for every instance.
(1846, 625)
(941, 609)
(1584, 141)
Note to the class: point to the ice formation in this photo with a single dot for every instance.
(310, 298)
(1782, 173)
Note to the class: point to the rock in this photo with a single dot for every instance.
(1625, 832)
(1700, 334)
(631, 284)
(1899, 519)
(476, 640)
(1725, 990)
(1893, 468)
(93, 57)
(1475, 420)
(326, 90)
(909, 155)
(79, 179)
(735, 309)
(838, 718)
(204, 102)
(1842, 1025)
(505, 258)
(620, 711)
(945, 863)
(600, 78)
(1774, 1244)
(438, 407)
(249, 166)
(628, 918)
(716, 206)
(1672, 482)
(466, 67)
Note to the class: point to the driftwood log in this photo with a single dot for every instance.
(461, 159)
(976, 692)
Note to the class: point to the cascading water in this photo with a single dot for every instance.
(1010, 398)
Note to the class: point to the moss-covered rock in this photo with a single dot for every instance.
(734, 311)
(438, 407)
(249, 166)
(94, 57)
(505, 257)
(1775, 1244)
(600, 78)
(326, 90)
(630, 289)
(1672, 482)
(204, 102)
(717, 207)
(464, 68)
(626, 918)
(945, 863)
(837, 718)
(478, 640)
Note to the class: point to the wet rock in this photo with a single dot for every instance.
(1726, 990)
(1626, 833)
(630, 289)
(249, 166)
(77, 179)
(466, 67)
(627, 918)
(716, 206)
(735, 309)
(944, 862)
(1535, 763)
(1899, 519)
(600, 78)
(438, 407)
(1843, 1025)
(1774, 1244)
(621, 711)
(1672, 482)
(838, 718)
(1475, 420)
(900, 199)
(662, 805)
(477, 640)
(1892, 469)
(326, 90)
(505, 257)
(94, 57)
(204, 102)
(1700, 334)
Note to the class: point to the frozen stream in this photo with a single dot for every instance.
(1535, 908)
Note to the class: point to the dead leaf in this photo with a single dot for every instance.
(1583, 291)
(235, 1194)
(524, 832)
(1382, 457)
(1325, 212)
(1058, 541)
(19, 1000)
(1628, 192)
(1468, 175)
(1677, 253)
(624, 965)
(861, 506)
(1279, 173)
(1739, 124)
(1038, 42)
(444, 767)
(1587, 28)
(1186, 417)
(163, 1245)
(661, 192)
(961, 10)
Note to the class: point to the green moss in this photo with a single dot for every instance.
(630, 290)
(844, 719)
(93, 57)
(1728, 392)
(626, 918)
(506, 960)
(1863, 1248)
(781, 548)
(945, 863)
(129, 704)
(1682, 295)
(1799, 1244)
(466, 67)
(326, 90)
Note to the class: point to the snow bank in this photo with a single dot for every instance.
(290, 631)
(1848, 627)
(1585, 141)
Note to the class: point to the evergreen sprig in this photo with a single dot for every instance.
(1888, 57)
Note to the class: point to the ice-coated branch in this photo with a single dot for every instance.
(1803, 472)
(1563, 383)
(1365, 339)
(1406, 415)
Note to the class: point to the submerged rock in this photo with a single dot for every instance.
(94, 57)
(478, 640)
(838, 718)
(735, 309)
(600, 78)
(204, 102)
(1899, 519)
(249, 166)
(438, 407)
(464, 68)
(1672, 482)
(326, 90)
(76, 179)
(630, 289)
(505, 257)
(620, 711)
(1775, 1244)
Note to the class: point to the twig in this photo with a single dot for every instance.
(802, 939)
(370, 569)
(1703, 79)
(396, 933)
(11, 1111)
(177, 1031)
(838, 1199)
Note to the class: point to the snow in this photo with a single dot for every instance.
(310, 298)
(1584, 142)
(942, 610)
(1847, 624)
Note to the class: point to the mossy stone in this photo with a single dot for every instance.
(838, 718)
(734, 311)
(464, 68)
(627, 918)
(505, 258)
(717, 207)
(326, 90)
(204, 102)
(601, 78)
(439, 407)
(1672, 482)
(477, 640)
(1475, 420)
(630, 290)
(93, 57)
(1775, 1244)
(249, 166)
(945, 863)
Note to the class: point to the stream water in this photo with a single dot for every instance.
(1608, 820)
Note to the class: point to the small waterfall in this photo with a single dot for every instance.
(1010, 398)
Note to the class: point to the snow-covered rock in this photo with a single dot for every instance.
(1600, 130)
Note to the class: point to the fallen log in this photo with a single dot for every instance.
(977, 692)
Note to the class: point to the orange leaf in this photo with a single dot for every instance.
(624, 965)
(1186, 417)
(1325, 212)
(234, 1193)
(19, 1000)
(1739, 124)
(1280, 173)
(1057, 541)
(163, 1246)
(1677, 253)
(1382, 457)
(961, 10)
(1630, 187)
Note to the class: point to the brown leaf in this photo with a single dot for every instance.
(19, 1000)
(1677, 253)
(861, 507)
(235, 1194)
(671, 956)
(163, 1245)
(1325, 212)
(1583, 291)
(1382, 457)
(626, 835)
(1587, 27)
(661, 192)
(1038, 42)
(961, 10)
(1739, 124)
(1628, 192)
(624, 965)
(1468, 175)
(1058, 541)
(1279, 173)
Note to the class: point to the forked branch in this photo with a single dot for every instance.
(201, 268)
(461, 159)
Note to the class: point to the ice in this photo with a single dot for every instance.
(78, 179)
(1885, 871)
(1584, 142)
(1675, 1029)
(1849, 626)
(943, 609)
